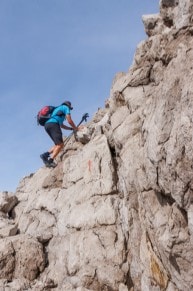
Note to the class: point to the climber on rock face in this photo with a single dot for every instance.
(53, 128)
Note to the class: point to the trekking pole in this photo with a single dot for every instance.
(84, 118)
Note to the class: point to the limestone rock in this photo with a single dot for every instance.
(83, 135)
(7, 227)
(21, 257)
(7, 201)
(117, 211)
(153, 24)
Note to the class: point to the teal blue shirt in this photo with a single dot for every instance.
(63, 109)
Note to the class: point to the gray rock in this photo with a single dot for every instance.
(7, 201)
(117, 211)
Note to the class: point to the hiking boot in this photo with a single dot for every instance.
(44, 158)
(51, 163)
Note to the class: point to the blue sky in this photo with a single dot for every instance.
(57, 50)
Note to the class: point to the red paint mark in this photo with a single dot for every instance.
(89, 165)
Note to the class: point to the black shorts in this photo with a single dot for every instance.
(54, 131)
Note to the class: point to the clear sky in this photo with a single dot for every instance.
(57, 50)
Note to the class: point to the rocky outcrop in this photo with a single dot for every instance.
(117, 211)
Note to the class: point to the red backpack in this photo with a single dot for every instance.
(44, 114)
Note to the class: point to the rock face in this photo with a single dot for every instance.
(117, 211)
